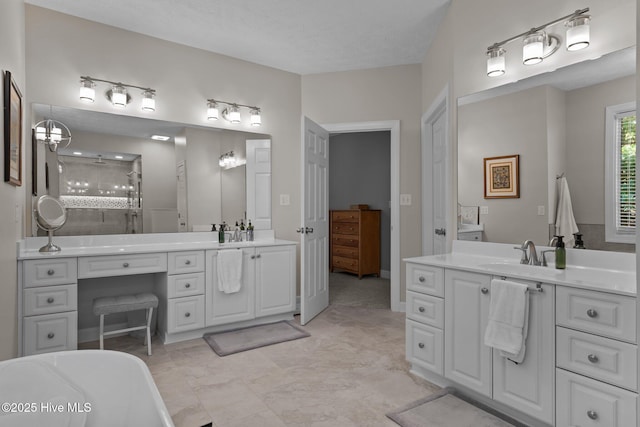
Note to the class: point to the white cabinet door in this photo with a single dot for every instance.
(275, 280)
(467, 359)
(220, 307)
(529, 386)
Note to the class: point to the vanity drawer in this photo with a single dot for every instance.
(185, 262)
(59, 271)
(584, 402)
(121, 265)
(50, 332)
(425, 279)
(425, 309)
(50, 299)
(601, 313)
(185, 314)
(184, 285)
(344, 228)
(601, 358)
(425, 346)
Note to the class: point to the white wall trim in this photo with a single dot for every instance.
(439, 104)
(394, 127)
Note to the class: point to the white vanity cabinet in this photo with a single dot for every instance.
(49, 305)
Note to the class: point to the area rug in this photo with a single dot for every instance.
(230, 342)
(448, 408)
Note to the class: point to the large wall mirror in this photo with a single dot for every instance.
(126, 175)
(555, 122)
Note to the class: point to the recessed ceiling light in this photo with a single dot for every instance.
(77, 153)
(160, 137)
(119, 157)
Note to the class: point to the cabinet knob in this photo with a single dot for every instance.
(187, 314)
(253, 257)
(50, 335)
(421, 279)
(421, 309)
(125, 265)
(592, 414)
(51, 272)
(484, 290)
(593, 358)
(188, 285)
(187, 262)
(50, 300)
(258, 256)
(421, 345)
(592, 313)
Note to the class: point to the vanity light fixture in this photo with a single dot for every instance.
(229, 160)
(52, 133)
(231, 112)
(117, 94)
(538, 44)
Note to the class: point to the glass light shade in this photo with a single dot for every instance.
(87, 91)
(578, 32)
(119, 96)
(533, 48)
(41, 133)
(233, 114)
(212, 111)
(496, 62)
(148, 101)
(56, 134)
(256, 120)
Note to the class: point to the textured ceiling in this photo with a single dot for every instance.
(300, 36)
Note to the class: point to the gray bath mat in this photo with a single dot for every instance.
(447, 408)
(230, 342)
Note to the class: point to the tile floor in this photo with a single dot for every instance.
(349, 372)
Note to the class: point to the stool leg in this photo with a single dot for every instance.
(102, 332)
(148, 339)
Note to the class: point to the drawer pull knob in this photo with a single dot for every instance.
(187, 262)
(187, 314)
(253, 257)
(421, 345)
(421, 309)
(51, 272)
(593, 358)
(188, 285)
(125, 265)
(592, 313)
(592, 414)
(421, 279)
(484, 290)
(258, 256)
(50, 300)
(50, 335)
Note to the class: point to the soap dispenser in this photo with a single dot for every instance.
(579, 243)
(561, 254)
(221, 234)
(250, 232)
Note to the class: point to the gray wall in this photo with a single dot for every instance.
(359, 173)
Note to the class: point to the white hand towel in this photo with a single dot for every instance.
(565, 222)
(229, 268)
(508, 319)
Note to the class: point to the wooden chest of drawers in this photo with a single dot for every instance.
(355, 241)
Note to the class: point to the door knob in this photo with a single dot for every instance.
(440, 231)
(308, 230)
(300, 230)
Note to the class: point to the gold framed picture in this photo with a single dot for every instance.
(12, 131)
(501, 177)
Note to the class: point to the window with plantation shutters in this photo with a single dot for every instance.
(620, 173)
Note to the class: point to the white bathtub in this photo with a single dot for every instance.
(91, 388)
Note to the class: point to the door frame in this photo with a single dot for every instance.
(393, 126)
(440, 105)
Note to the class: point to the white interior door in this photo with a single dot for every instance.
(181, 174)
(258, 180)
(314, 230)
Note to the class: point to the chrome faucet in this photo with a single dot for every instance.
(532, 257)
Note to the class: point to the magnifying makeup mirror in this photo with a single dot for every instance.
(50, 215)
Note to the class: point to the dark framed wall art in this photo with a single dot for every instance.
(12, 131)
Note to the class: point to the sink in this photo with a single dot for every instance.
(522, 269)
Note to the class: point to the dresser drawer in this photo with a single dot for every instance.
(50, 332)
(345, 216)
(425, 346)
(50, 299)
(345, 263)
(344, 240)
(184, 285)
(121, 265)
(59, 271)
(601, 358)
(185, 314)
(344, 251)
(185, 262)
(584, 402)
(425, 279)
(426, 309)
(344, 228)
(601, 313)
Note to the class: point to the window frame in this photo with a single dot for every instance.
(612, 172)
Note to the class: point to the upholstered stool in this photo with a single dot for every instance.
(121, 304)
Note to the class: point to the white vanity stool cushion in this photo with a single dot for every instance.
(124, 303)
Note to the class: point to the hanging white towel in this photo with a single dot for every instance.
(229, 268)
(508, 319)
(565, 222)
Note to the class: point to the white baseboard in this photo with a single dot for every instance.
(385, 274)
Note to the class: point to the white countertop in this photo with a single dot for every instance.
(74, 246)
(605, 271)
